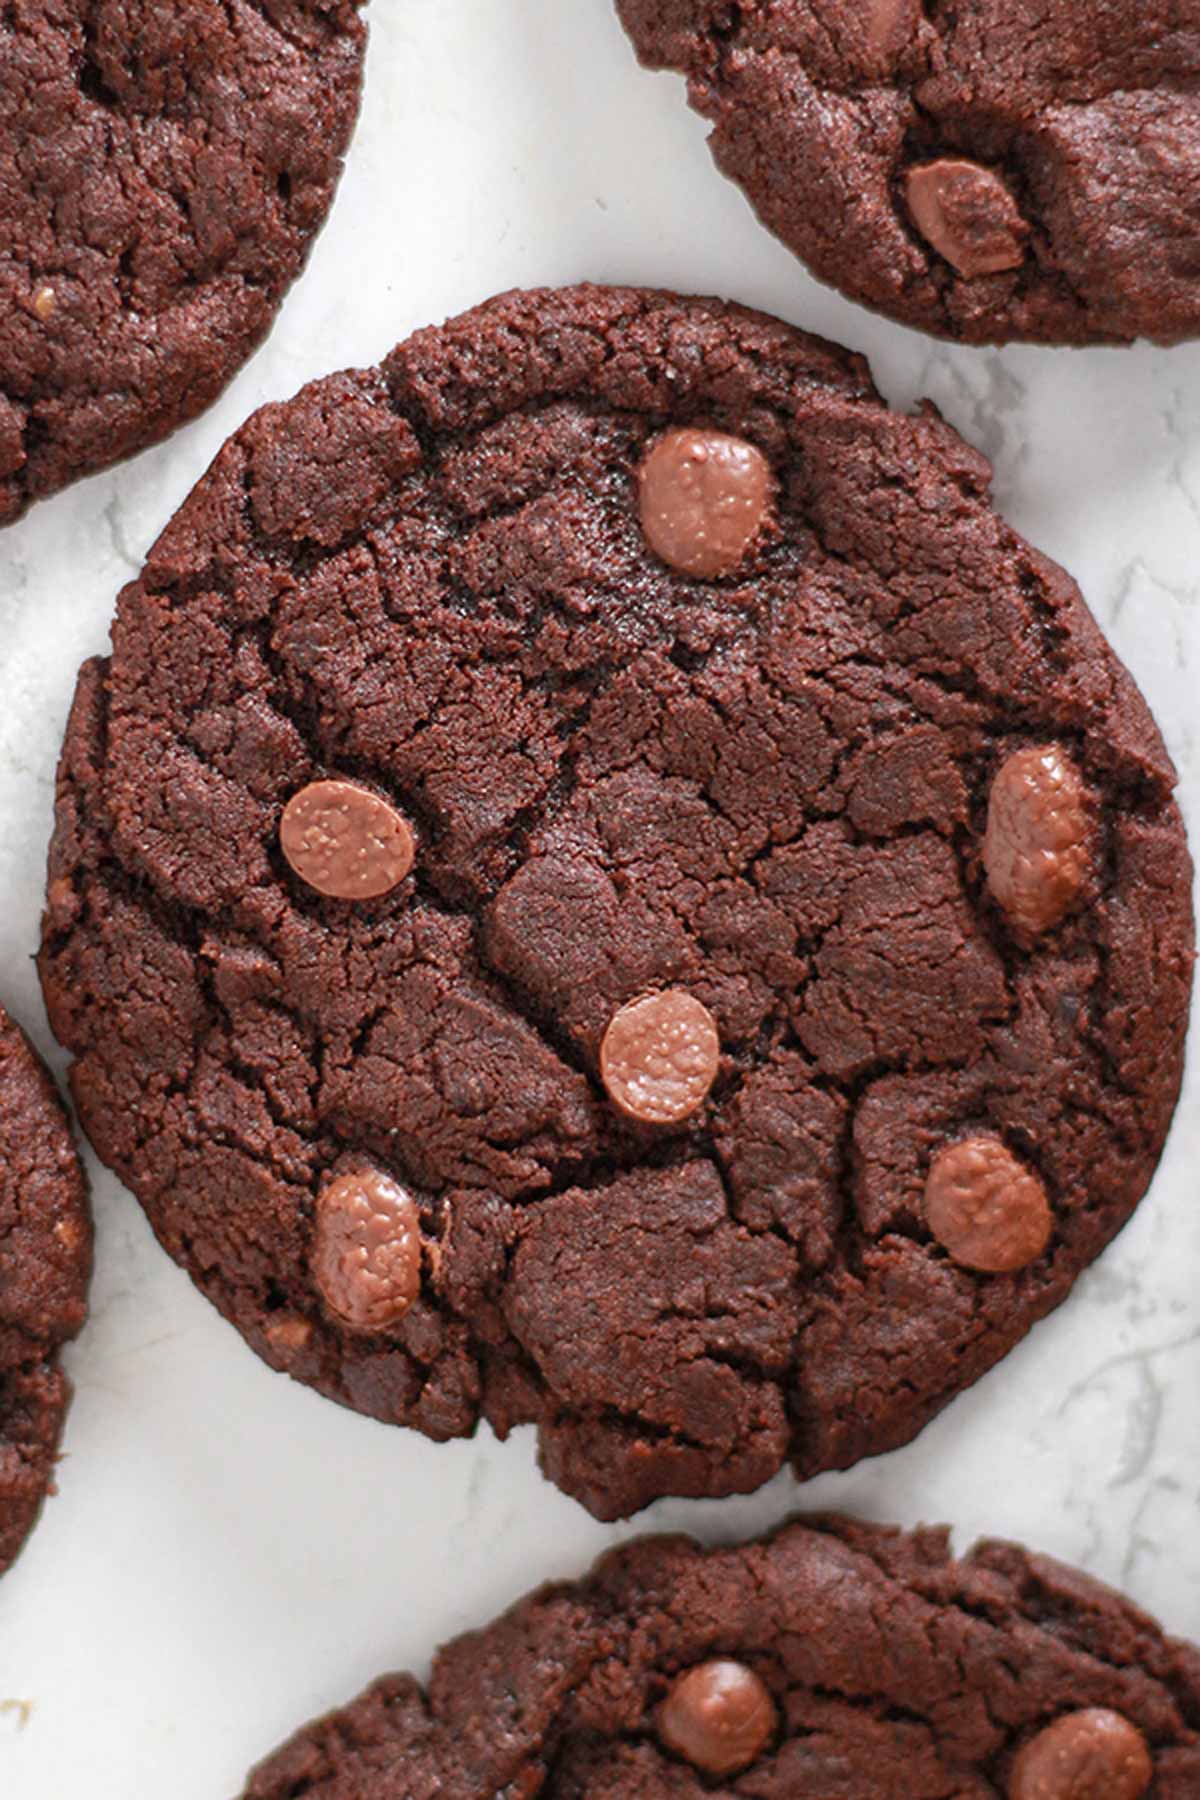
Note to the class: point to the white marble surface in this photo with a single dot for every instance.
(229, 1553)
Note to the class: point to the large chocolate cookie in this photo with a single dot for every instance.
(985, 169)
(710, 1015)
(835, 1660)
(164, 165)
(45, 1262)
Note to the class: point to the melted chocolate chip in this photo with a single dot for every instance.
(367, 1255)
(1037, 847)
(968, 215)
(660, 1057)
(705, 498)
(1094, 1754)
(720, 1716)
(345, 841)
(986, 1208)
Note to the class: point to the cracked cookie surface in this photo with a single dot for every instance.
(164, 166)
(762, 797)
(877, 1665)
(45, 1264)
(981, 170)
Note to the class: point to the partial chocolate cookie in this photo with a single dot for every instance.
(837, 1660)
(164, 167)
(45, 1264)
(602, 885)
(982, 170)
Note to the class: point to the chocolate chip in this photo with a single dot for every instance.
(986, 1208)
(705, 498)
(1090, 1755)
(367, 1255)
(968, 215)
(719, 1715)
(1037, 846)
(345, 841)
(660, 1057)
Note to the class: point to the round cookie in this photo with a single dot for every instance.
(163, 170)
(45, 1265)
(709, 1072)
(987, 171)
(832, 1659)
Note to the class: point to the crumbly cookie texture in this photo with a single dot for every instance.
(991, 170)
(679, 966)
(164, 166)
(45, 1264)
(832, 1659)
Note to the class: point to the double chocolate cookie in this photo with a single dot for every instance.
(980, 169)
(602, 885)
(834, 1660)
(164, 166)
(45, 1263)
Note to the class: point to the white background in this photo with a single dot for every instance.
(230, 1553)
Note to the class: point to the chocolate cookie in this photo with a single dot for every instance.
(164, 166)
(982, 170)
(837, 1660)
(602, 885)
(45, 1263)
